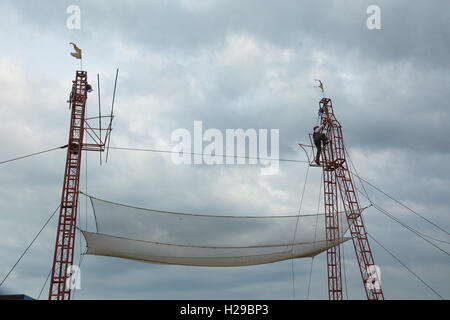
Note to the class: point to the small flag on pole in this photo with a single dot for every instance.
(77, 53)
(320, 86)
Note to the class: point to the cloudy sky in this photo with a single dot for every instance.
(231, 64)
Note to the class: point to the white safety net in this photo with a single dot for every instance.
(204, 240)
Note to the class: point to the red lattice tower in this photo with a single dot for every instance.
(338, 184)
(65, 236)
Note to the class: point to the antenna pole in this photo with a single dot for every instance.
(111, 117)
(99, 114)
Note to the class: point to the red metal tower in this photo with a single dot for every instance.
(60, 289)
(336, 176)
(65, 236)
(338, 184)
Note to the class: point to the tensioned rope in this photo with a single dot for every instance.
(416, 232)
(405, 266)
(33, 154)
(212, 247)
(29, 246)
(405, 206)
(315, 237)
(355, 172)
(345, 272)
(43, 286)
(203, 154)
(389, 196)
(295, 233)
(419, 234)
(385, 212)
(196, 214)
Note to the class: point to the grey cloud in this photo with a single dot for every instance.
(389, 88)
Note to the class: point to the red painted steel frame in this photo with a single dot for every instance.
(65, 237)
(336, 177)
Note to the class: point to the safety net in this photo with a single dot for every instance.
(204, 240)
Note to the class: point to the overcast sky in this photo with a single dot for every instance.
(231, 64)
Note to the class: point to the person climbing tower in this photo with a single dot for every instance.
(319, 137)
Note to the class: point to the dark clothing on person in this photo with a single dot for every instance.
(319, 138)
